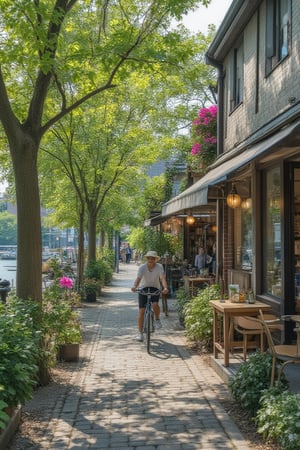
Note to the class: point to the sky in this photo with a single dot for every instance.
(202, 17)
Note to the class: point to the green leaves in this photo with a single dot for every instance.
(251, 380)
(278, 418)
(19, 351)
(4, 418)
(198, 316)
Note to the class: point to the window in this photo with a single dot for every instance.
(277, 32)
(243, 232)
(271, 241)
(247, 233)
(237, 75)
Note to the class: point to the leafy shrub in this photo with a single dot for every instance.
(100, 270)
(19, 349)
(181, 300)
(92, 270)
(109, 256)
(279, 418)
(58, 320)
(4, 418)
(251, 380)
(198, 316)
(105, 270)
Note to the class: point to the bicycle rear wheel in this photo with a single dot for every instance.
(148, 331)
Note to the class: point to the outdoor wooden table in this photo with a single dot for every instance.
(228, 310)
(190, 283)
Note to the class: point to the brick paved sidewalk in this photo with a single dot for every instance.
(121, 398)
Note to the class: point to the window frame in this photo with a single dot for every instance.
(237, 75)
(271, 256)
(278, 32)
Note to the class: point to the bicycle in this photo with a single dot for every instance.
(148, 325)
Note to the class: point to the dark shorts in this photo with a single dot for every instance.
(143, 298)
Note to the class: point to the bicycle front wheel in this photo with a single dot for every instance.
(148, 332)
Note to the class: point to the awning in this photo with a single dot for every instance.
(198, 194)
(156, 220)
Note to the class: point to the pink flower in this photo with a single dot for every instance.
(213, 110)
(66, 282)
(204, 133)
(210, 140)
(196, 149)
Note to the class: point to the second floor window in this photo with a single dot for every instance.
(237, 75)
(278, 27)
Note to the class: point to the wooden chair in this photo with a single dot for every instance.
(284, 354)
(249, 329)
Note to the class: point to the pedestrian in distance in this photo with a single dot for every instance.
(128, 252)
(150, 275)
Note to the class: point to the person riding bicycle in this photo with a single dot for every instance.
(150, 275)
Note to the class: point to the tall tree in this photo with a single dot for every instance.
(102, 153)
(56, 55)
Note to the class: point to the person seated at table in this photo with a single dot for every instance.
(200, 260)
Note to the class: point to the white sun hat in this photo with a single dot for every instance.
(152, 254)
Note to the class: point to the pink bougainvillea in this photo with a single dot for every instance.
(196, 149)
(204, 132)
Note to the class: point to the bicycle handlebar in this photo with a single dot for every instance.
(144, 291)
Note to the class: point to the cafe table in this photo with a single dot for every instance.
(222, 338)
(192, 283)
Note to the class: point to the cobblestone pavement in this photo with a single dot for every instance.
(121, 398)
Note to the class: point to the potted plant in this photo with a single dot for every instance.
(91, 288)
(69, 339)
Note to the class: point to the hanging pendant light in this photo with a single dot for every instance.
(233, 199)
(190, 219)
(246, 203)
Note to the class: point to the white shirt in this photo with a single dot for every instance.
(150, 278)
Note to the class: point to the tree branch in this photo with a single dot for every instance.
(9, 121)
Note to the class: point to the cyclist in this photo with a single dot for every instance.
(150, 275)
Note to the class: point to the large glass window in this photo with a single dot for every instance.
(271, 238)
(278, 27)
(243, 235)
(247, 232)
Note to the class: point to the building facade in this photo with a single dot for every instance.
(256, 53)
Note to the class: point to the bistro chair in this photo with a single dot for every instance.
(283, 354)
(250, 329)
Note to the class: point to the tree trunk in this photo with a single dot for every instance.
(80, 260)
(29, 256)
(92, 219)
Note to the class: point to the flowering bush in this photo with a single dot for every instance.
(204, 132)
(66, 282)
